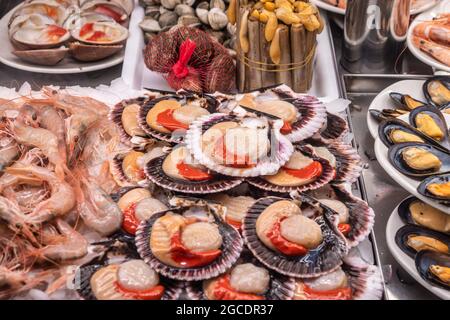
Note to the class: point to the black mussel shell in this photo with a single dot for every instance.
(385, 128)
(425, 259)
(396, 158)
(231, 250)
(406, 101)
(437, 117)
(422, 188)
(212, 104)
(401, 237)
(404, 212)
(219, 183)
(328, 173)
(322, 260)
(436, 98)
(445, 108)
(387, 114)
(336, 127)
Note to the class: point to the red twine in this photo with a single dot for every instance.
(180, 69)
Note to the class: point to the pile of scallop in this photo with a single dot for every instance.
(44, 32)
(240, 197)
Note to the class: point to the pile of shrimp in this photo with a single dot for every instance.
(54, 187)
(433, 38)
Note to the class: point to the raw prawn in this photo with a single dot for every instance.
(13, 281)
(437, 32)
(437, 51)
(15, 218)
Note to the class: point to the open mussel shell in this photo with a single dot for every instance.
(182, 97)
(425, 259)
(395, 155)
(116, 115)
(437, 117)
(324, 259)
(439, 179)
(232, 245)
(416, 212)
(219, 183)
(348, 162)
(328, 173)
(82, 282)
(437, 90)
(43, 57)
(406, 101)
(335, 129)
(402, 235)
(387, 127)
(281, 287)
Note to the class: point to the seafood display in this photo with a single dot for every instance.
(45, 32)
(416, 5)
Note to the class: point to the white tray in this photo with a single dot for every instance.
(404, 260)
(137, 76)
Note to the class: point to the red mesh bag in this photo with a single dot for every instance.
(190, 59)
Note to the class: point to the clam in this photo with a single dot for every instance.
(434, 267)
(395, 131)
(414, 211)
(108, 8)
(184, 10)
(437, 90)
(188, 21)
(204, 246)
(272, 230)
(89, 52)
(412, 239)
(126, 170)
(45, 57)
(78, 19)
(220, 4)
(406, 101)
(419, 159)
(436, 187)
(170, 4)
(202, 14)
(217, 19)
(49, 8)
(100, 33)
(429, 121)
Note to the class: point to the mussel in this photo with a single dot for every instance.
(430, 121)
(436, 187)
(437, 90)
(419, 159)
(395, 131)
(414, 211)
(412, 239)
(387, 114)
(406, 101)
(434, 267)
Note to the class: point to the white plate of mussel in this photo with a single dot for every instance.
(414, 151)
(69, 36)
(418, 236)
(406, 95)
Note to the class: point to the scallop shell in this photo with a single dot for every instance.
(220, 76)
(231, 249)
(119, 175)
(91, 6)
(115, 115)
(324, 259)
(84, 273)
(155, 174)
(349, 164)
(217, 19)
(328, 174)
(335, 129)
(268, 166)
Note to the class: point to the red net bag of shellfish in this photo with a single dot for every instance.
(191, 60)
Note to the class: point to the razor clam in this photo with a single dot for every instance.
(415, 212)
(430, 121)
(434, 267)
(419, 159)
(430, 188)
(437, 90)
(412, 239)
(406, 101)
(395, 131)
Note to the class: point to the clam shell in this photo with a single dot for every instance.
(422, 188)
(402, 236)
(328, 174)
(437, 117)
(324, 259)
(425, 259)
(396, 159)
(44, 57)
(84, 273)
(91, 6)
(387, 126)
(433, 97)
(231, 249)
(220, 183)
(89, 52)
(267, 166)
(41, 7)
(217, 19)
(348, 162)
(115, 115)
